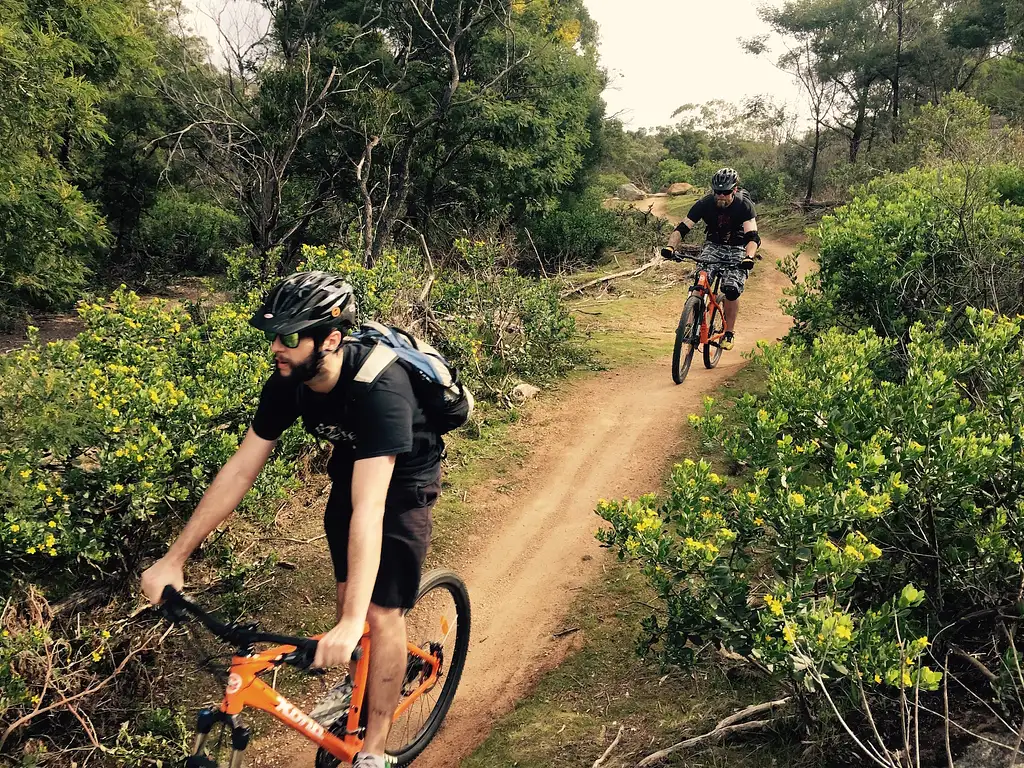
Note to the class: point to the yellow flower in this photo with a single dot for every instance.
(40, 486)
(105, 634)
(774, 604)
(851, 465)
(52, 553)
(878, 678)
(796, 499)
(96, 656)
(30, 551)
(115, 430)
(752, 495)
(52, 524)
(49, 499)
(118, 487)
(789, 634)
(758, 521)
(26, 473)
(843, 632)
(715, 479)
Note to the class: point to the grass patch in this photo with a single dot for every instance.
(576, 709)
(677, 207)
(632, 320)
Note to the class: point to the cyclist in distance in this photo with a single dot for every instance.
(728, 214)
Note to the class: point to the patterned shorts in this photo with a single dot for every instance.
(733, 276)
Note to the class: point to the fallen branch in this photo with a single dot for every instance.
(608, 278)
(565, 632)
(68, 700)
(725, 727)
(962, 654)
(600, 761)
(294, 541)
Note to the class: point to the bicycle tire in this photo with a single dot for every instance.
(437, 579)
(688, 332)
(450, 581)
(713, 349)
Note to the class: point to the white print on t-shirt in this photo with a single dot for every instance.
(334, 433)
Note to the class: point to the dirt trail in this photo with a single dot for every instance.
(610, 436)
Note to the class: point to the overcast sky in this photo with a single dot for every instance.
(660, 54)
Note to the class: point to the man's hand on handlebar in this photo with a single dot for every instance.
(670, 254)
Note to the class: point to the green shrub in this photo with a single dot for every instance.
(763, 183)
(871, 512)
(608, 183)
(183, 233)
(910, 245)
(576, 235)
(1008, 183)
(109, 440)
(671, 171)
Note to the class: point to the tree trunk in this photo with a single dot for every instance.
(814, 161)
(858, 127)
(394, 206)
(366, 221)
(896, 77)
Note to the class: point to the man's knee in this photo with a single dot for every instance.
(732, 292)
(383, 619)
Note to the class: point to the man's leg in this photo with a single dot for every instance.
(387, 669)
(731, 310)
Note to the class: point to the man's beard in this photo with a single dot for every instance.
(308, 368)
(723, 203)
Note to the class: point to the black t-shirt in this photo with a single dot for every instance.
(384, 420)
(724, 225)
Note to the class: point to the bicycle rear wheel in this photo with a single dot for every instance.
(687, 338)
(439, 622)
(716, 329)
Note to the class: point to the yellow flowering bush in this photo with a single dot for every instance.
(878, 497)
(109, 440)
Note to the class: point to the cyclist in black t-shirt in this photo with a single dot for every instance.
(732, 237)
(385, 467)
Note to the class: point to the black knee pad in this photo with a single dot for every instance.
(731, 292)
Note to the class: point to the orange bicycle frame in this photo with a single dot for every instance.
(702, 285)
(246, 689)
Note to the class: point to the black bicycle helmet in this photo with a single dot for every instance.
(725, 180)
(307, 300)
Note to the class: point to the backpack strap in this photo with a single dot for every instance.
(380, 357)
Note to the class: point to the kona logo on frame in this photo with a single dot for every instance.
(300, 718)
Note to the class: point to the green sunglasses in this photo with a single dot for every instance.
(290, 340)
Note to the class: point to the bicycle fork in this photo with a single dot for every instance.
(240, 736)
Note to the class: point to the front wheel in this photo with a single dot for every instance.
(687, 338)
(716, 332)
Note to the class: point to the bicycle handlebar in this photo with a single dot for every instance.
(175, 606)
(668, 253)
